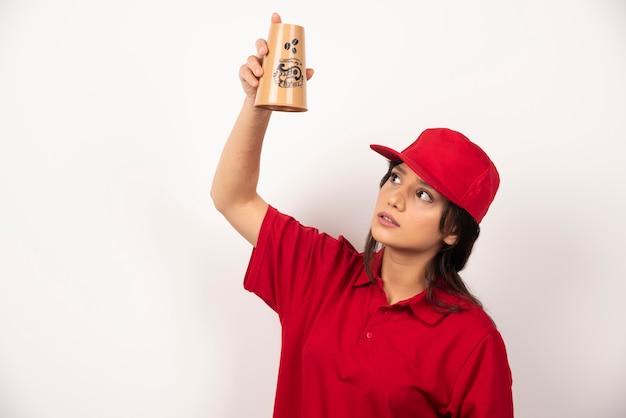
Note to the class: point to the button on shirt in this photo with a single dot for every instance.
(347, 353)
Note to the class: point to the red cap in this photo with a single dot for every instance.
(452, 165)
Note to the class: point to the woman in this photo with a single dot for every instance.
(391, 331)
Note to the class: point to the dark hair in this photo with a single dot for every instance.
(443, 271)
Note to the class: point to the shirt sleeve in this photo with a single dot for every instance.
(292, 262)
(483, 387)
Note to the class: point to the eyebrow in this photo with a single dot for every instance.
(419, 179)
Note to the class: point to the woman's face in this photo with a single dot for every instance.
(407, 214)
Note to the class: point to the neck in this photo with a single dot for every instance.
(403, 276)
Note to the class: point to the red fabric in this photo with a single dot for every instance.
(347, 353)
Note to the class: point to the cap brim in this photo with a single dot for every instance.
(417, 168)
(387, 152)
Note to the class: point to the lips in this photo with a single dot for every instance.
(387, 219)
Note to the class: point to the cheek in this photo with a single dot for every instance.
(426, 220)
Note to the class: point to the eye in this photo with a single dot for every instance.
(394, 178)
(424, 195)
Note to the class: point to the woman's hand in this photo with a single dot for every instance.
(252, 70)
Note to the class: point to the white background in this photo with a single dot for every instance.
(120, 285)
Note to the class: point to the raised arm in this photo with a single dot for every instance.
(234, 189)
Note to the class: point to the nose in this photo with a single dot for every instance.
(396, 200)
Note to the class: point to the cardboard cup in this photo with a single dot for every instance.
(283, 84)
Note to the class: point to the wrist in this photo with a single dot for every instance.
(249, 104)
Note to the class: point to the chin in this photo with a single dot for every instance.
(377, 236)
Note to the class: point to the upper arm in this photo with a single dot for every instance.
(483, 387)
(247, 218)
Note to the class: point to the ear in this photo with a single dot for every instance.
(451, 239)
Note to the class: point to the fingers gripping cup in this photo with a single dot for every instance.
(283, 84)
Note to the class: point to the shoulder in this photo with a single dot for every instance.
(285, 228)
(471, 330)
(470, 319)
(475, 318)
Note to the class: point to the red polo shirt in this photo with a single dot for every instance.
(346, 353)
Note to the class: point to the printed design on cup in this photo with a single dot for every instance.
(289, 72)
(292, 45)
